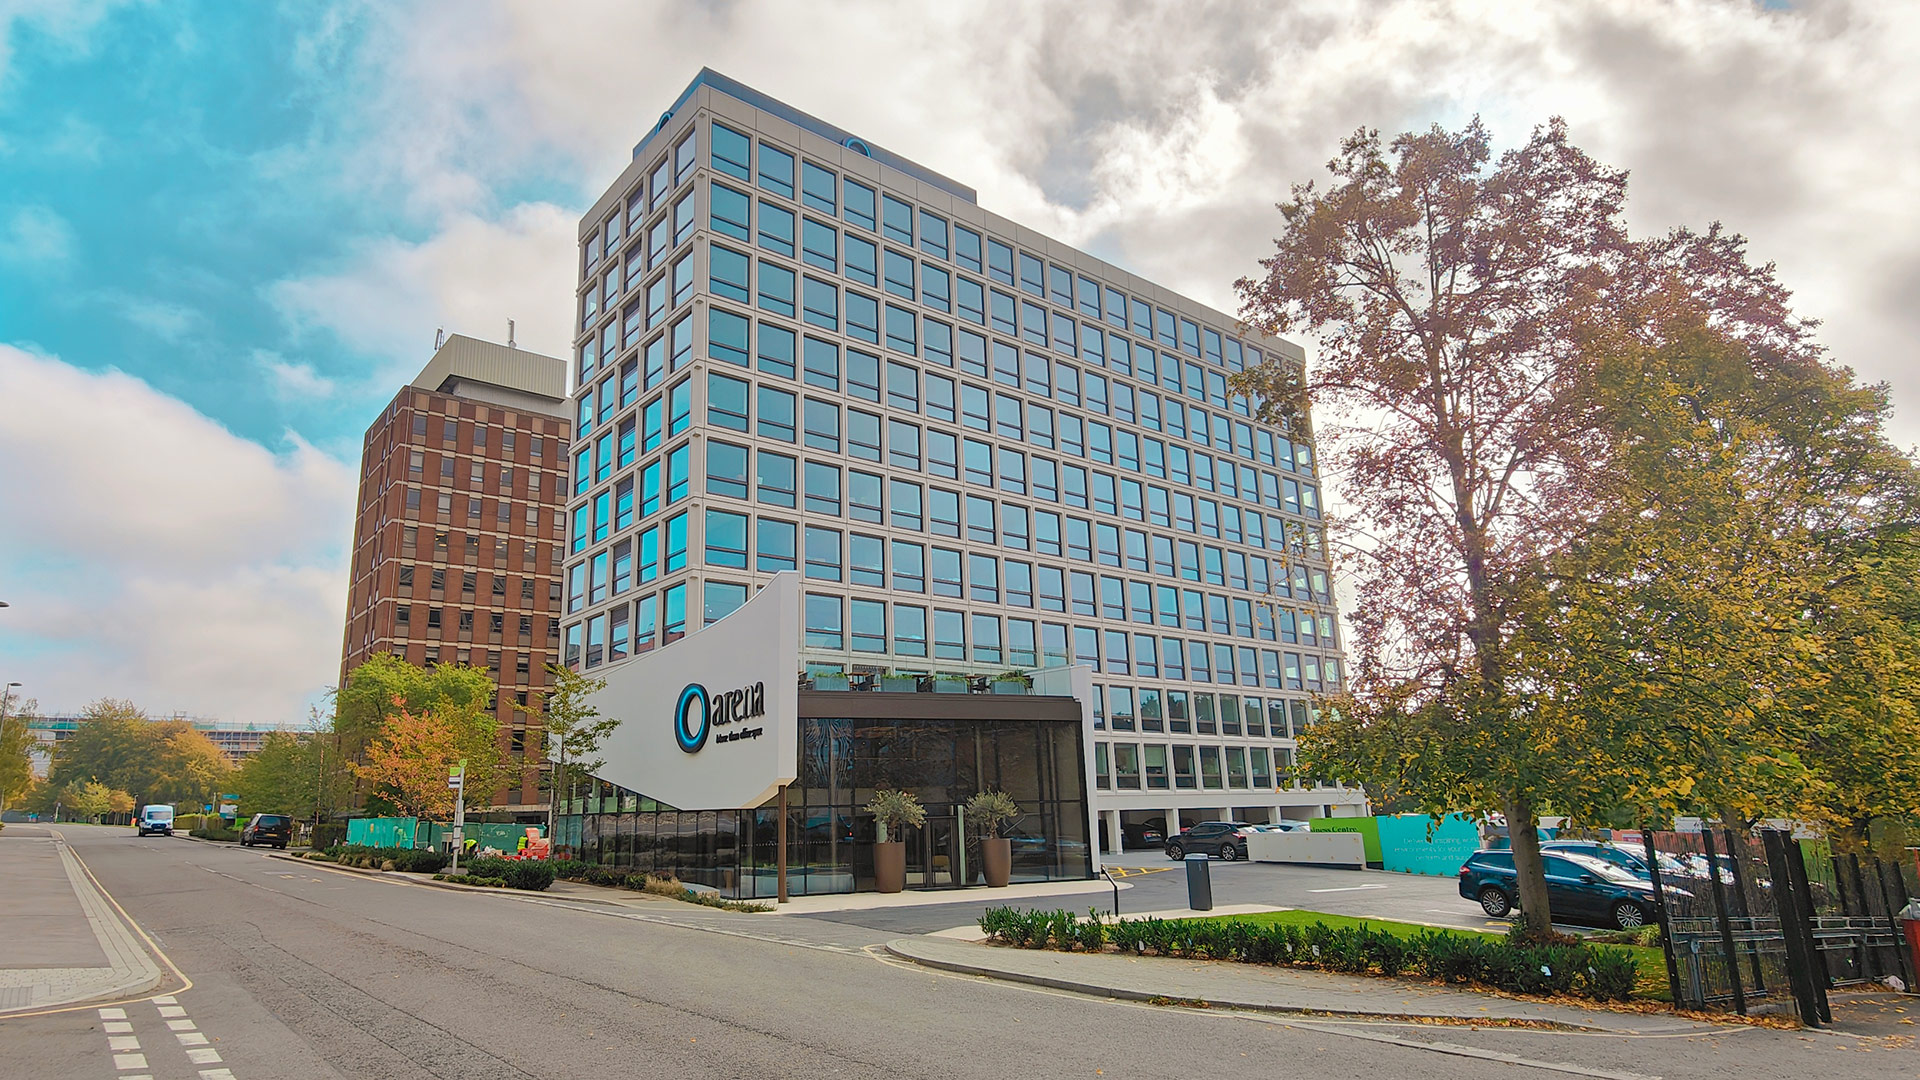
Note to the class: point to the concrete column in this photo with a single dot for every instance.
(1114, 840)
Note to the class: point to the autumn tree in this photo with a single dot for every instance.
(1463, 308)
(377, 690)
(407, 766)
(573, 730)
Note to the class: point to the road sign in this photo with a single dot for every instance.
(457, 775)
(228, 809)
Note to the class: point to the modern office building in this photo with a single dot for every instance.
(458, 535)
(977, 448)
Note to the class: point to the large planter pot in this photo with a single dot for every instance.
(949, 686)
(895, 684)
(1008, 686)
(889, 866)
(996, 861)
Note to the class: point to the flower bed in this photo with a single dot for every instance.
(1511, 964)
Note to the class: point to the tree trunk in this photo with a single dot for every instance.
(1536, 913)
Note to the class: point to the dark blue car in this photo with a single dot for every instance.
(1580, 889)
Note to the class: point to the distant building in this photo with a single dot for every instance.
(237, 739)
(458, 531)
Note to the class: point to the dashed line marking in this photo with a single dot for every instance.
(122, 1042)
(205, 1055)
(129, 1061)
(192, 1038)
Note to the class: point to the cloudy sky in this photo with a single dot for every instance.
(229, 231)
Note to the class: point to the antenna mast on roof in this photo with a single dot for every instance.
(509, 333)
(439, 338)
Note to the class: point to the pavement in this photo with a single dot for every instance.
(298, 971)
(61, 941)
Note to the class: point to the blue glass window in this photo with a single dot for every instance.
(821, 303)
(730, 150)
(774, 481)
(900, 274)
(817, 188)
(776, 350)
(730, 213)
(966, 249)
(726, 469)
(999, 262)
(933, 235)
(1060, 285)
(859, 204)
(776, 288)
(863, 260)
(776, 229)
(902, 333)
(726, 336)
(1032, 275)
(776, 411)
(935, 288)
(726, 401)
(972, 301)
(822, 363)
(939, 342)
(897, 220)
(863, 317)
(821, 245)
(773, 545)
(776, 170)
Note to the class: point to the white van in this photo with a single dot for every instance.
(155, 819)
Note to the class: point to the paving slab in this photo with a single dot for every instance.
(1225, 984)
(61, 941)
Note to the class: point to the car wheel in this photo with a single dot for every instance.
(282, 847)
(1628, 915)
(1176, 852)
(1227, 854)
(1493, 901)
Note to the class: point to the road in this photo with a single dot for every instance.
(297, 971)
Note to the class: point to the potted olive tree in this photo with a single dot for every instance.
(987, 813)
(891, 810)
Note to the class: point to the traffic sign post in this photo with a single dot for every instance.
(457, 780)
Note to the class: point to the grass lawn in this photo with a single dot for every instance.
(1651, 962)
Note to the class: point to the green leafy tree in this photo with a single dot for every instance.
(158, 761)
(87, 799)
(378, 691)
(16, 751)
(573, 729)
(283, 776)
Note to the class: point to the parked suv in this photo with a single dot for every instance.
(275, 829)
(1581, 889)
(1225, 839)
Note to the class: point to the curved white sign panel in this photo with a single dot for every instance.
(711, 721)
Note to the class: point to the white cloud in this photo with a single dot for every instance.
(64, 23)
(38, 238)
(293, 380)
(154, 555)
(470, 278)
(1161, 134)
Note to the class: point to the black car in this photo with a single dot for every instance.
(1223, 839)
(274, 829)
(1140, 835)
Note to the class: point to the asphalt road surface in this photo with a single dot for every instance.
(298, 971)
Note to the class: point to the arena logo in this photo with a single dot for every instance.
(698, 713)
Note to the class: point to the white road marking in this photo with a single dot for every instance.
(122, 1042)
(192, 1038)
(216, 1074)
(129, 1061)
(172, 1010)
(205, 1055)
(1350, 888)
(179, 1025)
(113, 1014)
(168, 1000)
(116, 1027)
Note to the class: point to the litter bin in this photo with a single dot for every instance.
(1199, 883)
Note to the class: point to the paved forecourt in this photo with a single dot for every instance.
(61, 941)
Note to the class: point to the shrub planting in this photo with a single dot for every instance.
(1561, 965)
(412, 860)
(653, 882)
(530, 875)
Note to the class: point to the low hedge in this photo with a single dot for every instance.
(531, 875)
(413, 860)
(652, 882)
(216, 832)
(1512, 964)
(470, 879)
